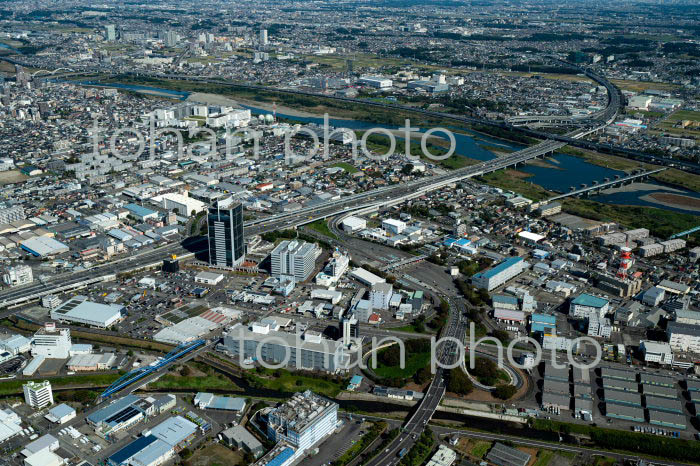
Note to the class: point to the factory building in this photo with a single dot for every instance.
(625, 413)
(304, 421)
(18, 275)
(51, 342)
(81, 311)
(665, 419)
(655, 351)
(661, 391)
(623, 398)
(310, 351)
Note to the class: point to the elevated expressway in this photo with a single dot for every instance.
(379, 197)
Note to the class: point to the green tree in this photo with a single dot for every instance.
(458, 382)
(504, 391)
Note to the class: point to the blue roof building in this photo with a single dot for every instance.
(499, 274)
(541, 322)
(282, 458)
(584, 304)
(123, 456)
(141, 212)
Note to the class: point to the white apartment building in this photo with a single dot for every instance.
(38, 394)
(294, 258)
(380, 296)
(51, 342)
(683, 337)
(598, 327)
(585, 304)
(557, 343)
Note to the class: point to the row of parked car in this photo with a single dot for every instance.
(657, 431)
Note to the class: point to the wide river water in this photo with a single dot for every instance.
(557, 173)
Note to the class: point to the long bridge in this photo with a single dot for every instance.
(608, 183)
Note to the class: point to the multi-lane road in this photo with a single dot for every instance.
(412, 429)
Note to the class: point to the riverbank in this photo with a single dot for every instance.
(662, 223)
(671, 176)
(674, 200)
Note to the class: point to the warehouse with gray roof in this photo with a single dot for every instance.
(656, 390)
(664, 404)
(619, 374)
(661, 418)
(623, 398)
(622, 385)
(626, 413)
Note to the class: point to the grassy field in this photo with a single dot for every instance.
(198, 383)
(668, 125)
(639, 86)
(290, 383)
(346, 166)
(321, 226)
(516, 181)
(414, 362)
(409, 328)
(660, 222)
(479, 448)
(604, 461)
(215, 454)
(610, 161)
(544, 457)
(680, 178)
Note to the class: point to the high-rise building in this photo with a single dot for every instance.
(51, 342)
(38, 394)
(263, 37)
(225, 221)
(18, 275)
(349, 328)
(294, 259)
(110, 33)
(170, 38)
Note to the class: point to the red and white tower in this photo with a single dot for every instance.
(626, 261)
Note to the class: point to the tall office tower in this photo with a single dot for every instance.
(225, 220)
(263, 37)
(170, 38)
(110, 33)
(38, 394)
(294, 259)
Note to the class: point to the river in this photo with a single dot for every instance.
(563, 171)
